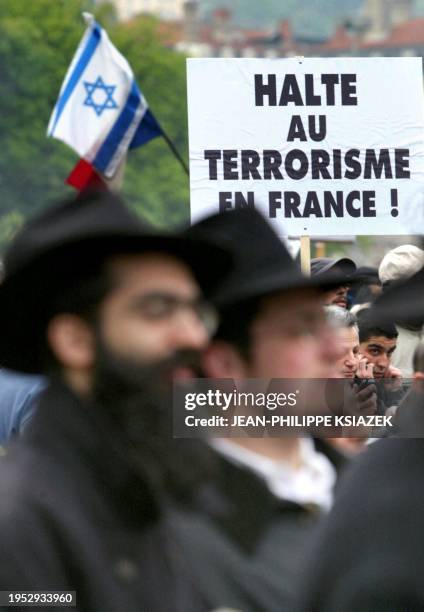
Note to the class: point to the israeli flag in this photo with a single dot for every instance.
(100, 111)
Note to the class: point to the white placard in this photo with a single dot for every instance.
(321, 146)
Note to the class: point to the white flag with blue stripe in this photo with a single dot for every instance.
(100, 111)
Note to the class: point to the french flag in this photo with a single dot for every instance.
(100, 112)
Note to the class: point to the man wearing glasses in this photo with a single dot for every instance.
(111, 312)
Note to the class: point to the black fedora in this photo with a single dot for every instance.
(56, 248)
(402, 301)
(262, 263)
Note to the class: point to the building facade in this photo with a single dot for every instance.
(164, 9)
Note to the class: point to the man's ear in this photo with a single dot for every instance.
(223, 360)
(71, 340)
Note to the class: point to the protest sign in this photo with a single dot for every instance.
(321, 146)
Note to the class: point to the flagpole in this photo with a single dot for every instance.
(175, 151)
(305, 255)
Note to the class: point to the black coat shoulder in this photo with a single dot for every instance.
(369, 555)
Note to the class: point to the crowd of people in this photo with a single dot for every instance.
(100, 316)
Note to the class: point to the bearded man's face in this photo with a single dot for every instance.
(150, 330)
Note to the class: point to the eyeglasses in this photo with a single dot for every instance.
(163, 306)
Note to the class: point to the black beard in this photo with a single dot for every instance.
(117, 377)
(137, 400)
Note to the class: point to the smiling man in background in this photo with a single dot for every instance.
(343, 267)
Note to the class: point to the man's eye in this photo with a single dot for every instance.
(156, 307)
(302, 330)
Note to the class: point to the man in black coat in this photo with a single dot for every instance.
(369, 556)
(111, 312)
(260, 510)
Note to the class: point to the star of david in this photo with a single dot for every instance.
(99, 101)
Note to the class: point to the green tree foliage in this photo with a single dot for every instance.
(155, 181)
(37, 42)
(10, 223)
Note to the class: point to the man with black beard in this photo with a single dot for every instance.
(137, 399)
(112, 312)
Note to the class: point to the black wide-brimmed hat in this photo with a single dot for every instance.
(56, 248)
(263, 264)
(402, 301)
(367, 275)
